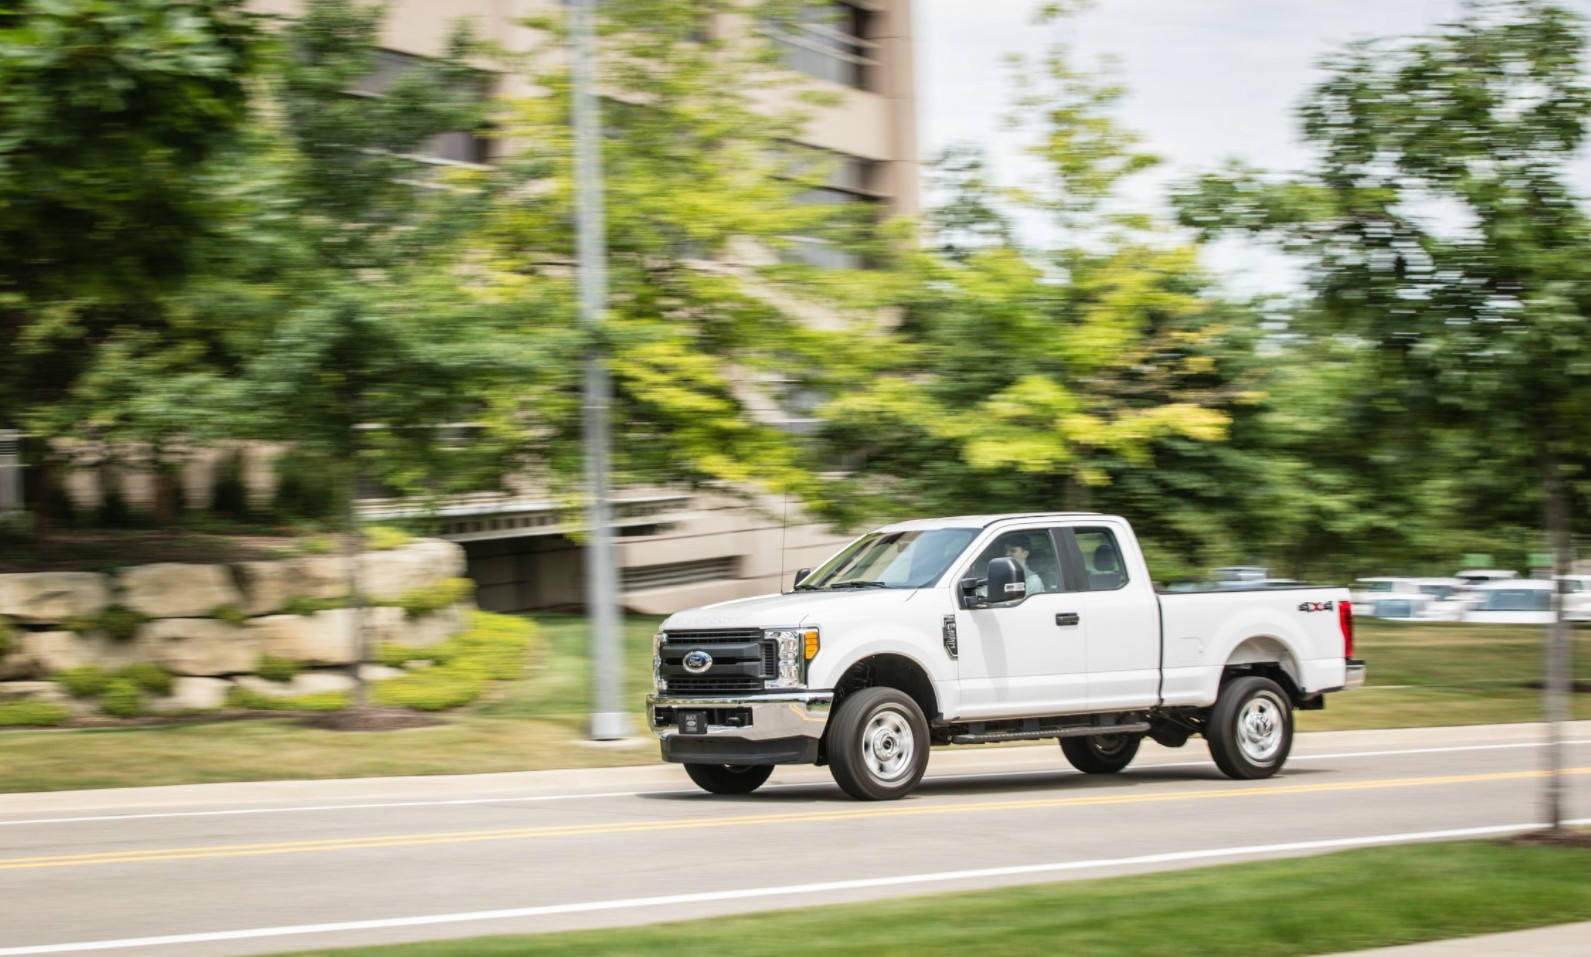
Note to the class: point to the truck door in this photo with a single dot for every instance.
(1025, 657)
(1121, 619)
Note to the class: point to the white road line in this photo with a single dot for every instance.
(634, 903)
(771, 787)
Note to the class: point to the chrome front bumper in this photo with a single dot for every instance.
(1355, 676)
(783, 728)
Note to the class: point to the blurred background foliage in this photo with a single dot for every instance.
(214, 228)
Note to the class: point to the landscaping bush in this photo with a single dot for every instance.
(319, 701)
(277, 668)
(434, 597)
(396, 656)
(303, 487)
(231, 614)
(308, 606)
(19, 714)
(318, 545)
(148, 677)
(8, 636)
(117, 622)
(384, 538)
(434, 689)
(229, 497)
(493, 648)
(121, 699)
(86, 681)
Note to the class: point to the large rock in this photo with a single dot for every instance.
(52, 597)
(194, 694)
(174, 590)
(387, 576)
(319, 576)
(52, 651)
(314, 682)
(427, 630)
(201, 646)
(324, 638)
(267, 586)
(46, 691)
(387, 624)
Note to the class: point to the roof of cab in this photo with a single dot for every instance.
(979, 521)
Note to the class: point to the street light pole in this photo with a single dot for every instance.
(608, 720)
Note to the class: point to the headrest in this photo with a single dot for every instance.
(1105, 558)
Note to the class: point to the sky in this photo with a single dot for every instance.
(1207, 80)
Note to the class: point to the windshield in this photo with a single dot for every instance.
(1519, 599)
(1375, 586)
(913, 559)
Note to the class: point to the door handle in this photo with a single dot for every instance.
(1067, 618)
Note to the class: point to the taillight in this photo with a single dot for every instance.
(1345, 619)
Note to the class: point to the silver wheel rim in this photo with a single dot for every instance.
(1260, 727)
(888, 745)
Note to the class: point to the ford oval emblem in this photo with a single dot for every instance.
(698, 661)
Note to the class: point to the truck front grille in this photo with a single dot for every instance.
(742, 660)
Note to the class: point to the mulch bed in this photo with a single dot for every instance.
(100, 550)
(1546, 837)
(371, 719)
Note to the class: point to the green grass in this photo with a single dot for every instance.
(1462, 674)
(1346, 901)
(1452, 673)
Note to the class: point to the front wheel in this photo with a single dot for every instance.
(1251, 728)
(729, 778)
(1101, 753)
(878, 744)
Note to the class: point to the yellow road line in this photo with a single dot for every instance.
(746, 820)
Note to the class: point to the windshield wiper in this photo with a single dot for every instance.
(860, 584)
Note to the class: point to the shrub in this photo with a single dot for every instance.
(86, 681)
(434, 689)
(308, 606)
(229, 613)
(396, 656)
(277, 668)
(318, 545)
(148, 677)
(18, 714)
(384, 538)
(436, 596)
(117, 622)
(494, 645)
(229, 497)
(304, 487)
(121, 699)
(319, 701)
(8, 636)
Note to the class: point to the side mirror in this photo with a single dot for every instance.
(1006, 582)
(801, 575)
(968, 589)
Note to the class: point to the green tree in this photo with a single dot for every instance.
(114, 115)
(1442, 234)
(1029, 378)
(713, 310)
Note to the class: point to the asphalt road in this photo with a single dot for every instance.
(286, 866)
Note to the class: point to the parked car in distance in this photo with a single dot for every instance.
(1512, 602)
(1406, 606)
(1480, 576)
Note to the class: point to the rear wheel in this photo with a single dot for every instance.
(729, 778)
(1251, 728)
(878, 744)
(1101, 753)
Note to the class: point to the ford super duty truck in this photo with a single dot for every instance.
(990, 628)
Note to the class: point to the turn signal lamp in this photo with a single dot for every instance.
(811, 639)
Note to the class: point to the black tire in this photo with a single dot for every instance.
(1101, 753)
(878, 744)
(1251, 728)
(729, 778)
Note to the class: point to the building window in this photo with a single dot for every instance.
(461, 147)
(850, 182)
(829, 41)
(676, 574)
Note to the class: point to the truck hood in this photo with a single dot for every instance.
(785, 611)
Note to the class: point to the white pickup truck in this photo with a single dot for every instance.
(990, 628)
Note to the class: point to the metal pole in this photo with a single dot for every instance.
(608, 719)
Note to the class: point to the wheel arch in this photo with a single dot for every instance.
(1268, 656)
(890, 669)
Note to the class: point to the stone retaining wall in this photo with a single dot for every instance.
(210, 625)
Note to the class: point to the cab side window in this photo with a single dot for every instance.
(1103, 567)
(1034, 553)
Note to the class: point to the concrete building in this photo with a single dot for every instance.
(679, 550)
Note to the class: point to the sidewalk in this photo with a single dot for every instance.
(1564, 940)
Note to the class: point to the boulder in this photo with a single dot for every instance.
(194, 694)
(387, 624)
(324, 638)
(201, 646)
(378, 673)
(427, 630)
(174, 590)
(318, 576)
(46, 691)
(52, 597)
(313, 682)
(267, 586)
(52, 651)
(387, 576)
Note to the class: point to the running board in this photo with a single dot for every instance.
(1077, 731)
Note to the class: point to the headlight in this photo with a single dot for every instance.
(797, 646)
(657, 663)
